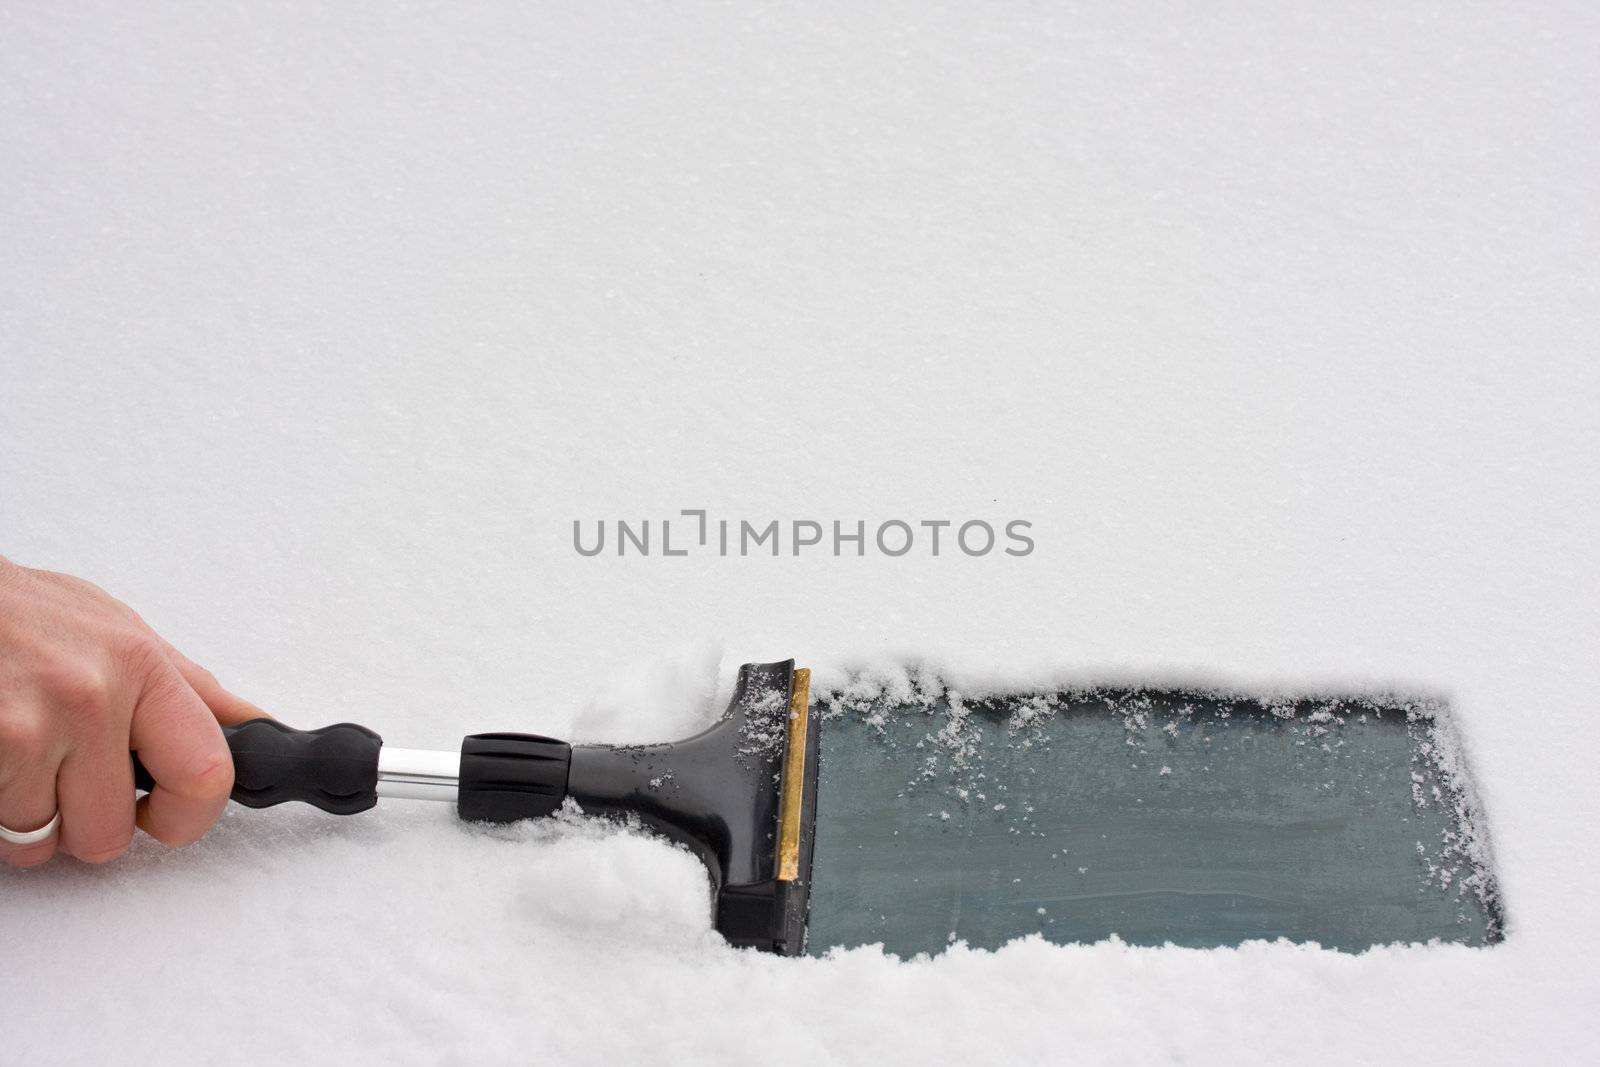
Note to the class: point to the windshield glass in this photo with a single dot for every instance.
(1158, 816)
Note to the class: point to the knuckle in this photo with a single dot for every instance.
(103, 847)
(102, 855)
(138, 650)
(22, 734)
(32, 856)
(177, 838)
(213, 777)
(79, 687)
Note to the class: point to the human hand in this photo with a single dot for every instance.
(84, 682)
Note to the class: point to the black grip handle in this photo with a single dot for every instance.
(334, 768)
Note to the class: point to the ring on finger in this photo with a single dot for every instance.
(31, 837)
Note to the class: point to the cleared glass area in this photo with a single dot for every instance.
(1188, 818)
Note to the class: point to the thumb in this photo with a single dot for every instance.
(228, 709)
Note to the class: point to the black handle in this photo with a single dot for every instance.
(334, 768)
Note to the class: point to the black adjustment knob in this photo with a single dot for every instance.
(506, 777)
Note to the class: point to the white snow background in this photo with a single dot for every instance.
(319, 324)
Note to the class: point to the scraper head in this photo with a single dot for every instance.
(741, 795)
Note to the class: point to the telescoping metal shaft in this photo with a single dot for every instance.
(493, 777)
(419, 774)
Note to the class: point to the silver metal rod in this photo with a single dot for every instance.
(418, 774)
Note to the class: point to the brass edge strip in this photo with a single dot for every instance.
(794, 774)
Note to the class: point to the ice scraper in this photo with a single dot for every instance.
(741, 795)
(914, 818)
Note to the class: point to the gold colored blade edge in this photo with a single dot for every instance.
(794, 775)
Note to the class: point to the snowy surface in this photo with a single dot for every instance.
(319, 327)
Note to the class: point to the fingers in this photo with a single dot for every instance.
(84, 681)
(227, 708)
(181, 745)
(95, 791)
(28, 768)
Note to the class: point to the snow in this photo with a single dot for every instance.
(320, 326)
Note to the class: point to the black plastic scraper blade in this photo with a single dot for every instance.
(1157, 816)
(742, 795)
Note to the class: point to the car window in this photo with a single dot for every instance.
(1157, 816)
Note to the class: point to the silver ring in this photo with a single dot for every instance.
(32, 837)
